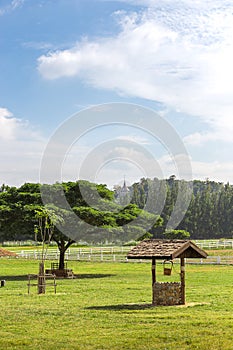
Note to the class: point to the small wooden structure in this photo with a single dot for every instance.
(167, 293)
(44, 283)
(68, 273)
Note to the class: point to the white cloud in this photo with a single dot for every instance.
(135, 138)
(177, 52)
(215, 171)
(13, 5)
(199, 139)
(113, 173)
(16, 3)
(21, 150)
(5, 113)
(8, 125)
(117, 157)
(178, 165)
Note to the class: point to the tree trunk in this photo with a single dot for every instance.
(63, 246)
(62, 259)
(41, 279)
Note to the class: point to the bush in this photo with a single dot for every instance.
(176, 234)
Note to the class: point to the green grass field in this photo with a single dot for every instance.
(108, 307)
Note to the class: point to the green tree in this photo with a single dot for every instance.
(176, 234)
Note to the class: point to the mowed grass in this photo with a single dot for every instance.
(108, 306)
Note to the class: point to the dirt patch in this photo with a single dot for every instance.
(4, 252)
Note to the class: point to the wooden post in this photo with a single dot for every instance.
(182, 279)
(41, 279)
(153, 270)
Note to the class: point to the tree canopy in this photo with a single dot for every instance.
(89, 213)
(209, 214)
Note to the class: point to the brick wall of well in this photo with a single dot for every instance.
(168, 293)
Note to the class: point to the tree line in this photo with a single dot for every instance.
(210, 211)
(149, 207)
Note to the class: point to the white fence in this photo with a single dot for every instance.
(81, 254)
(110, 254)
(215, 244)
(119, 254)
(204, 244)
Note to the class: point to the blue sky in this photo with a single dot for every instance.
(58, 57)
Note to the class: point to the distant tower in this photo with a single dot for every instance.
(123, 194)
(124, 189)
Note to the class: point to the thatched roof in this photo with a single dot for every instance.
(4, 252)
(166, 249)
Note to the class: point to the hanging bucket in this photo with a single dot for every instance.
(167, 267)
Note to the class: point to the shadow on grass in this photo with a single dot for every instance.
(14, 278)
(92, 275)
(141, 306)
(121, 307)
(76, 276)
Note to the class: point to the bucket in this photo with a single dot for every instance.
(167, 269)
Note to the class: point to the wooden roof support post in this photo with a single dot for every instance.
(153, 270)
(182, 279)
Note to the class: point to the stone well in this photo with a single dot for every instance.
(167, 293)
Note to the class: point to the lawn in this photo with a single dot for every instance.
(108, 307)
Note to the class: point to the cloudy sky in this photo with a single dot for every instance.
(59, 58)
